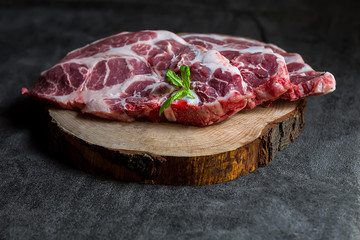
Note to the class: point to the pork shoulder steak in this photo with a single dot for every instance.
(304, 81)
(122, 77)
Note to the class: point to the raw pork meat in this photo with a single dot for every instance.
(304, 81)
(122, 77)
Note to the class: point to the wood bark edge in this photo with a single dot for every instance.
(146, 167)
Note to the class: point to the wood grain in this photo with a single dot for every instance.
(174, 154)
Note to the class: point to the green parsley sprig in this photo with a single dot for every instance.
(183, 82)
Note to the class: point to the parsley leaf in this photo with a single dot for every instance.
(173, 78)
(185, 75)
(183, 83)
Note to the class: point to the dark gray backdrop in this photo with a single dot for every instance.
(309, 191)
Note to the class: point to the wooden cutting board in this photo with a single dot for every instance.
(174, 154)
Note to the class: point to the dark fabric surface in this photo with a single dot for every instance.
(311, 190)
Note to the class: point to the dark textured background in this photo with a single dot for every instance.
(311, 190)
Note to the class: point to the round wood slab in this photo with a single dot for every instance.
(175, 154)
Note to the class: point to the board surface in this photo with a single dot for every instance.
(175, 154)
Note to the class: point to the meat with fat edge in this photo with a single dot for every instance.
(122, 77)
